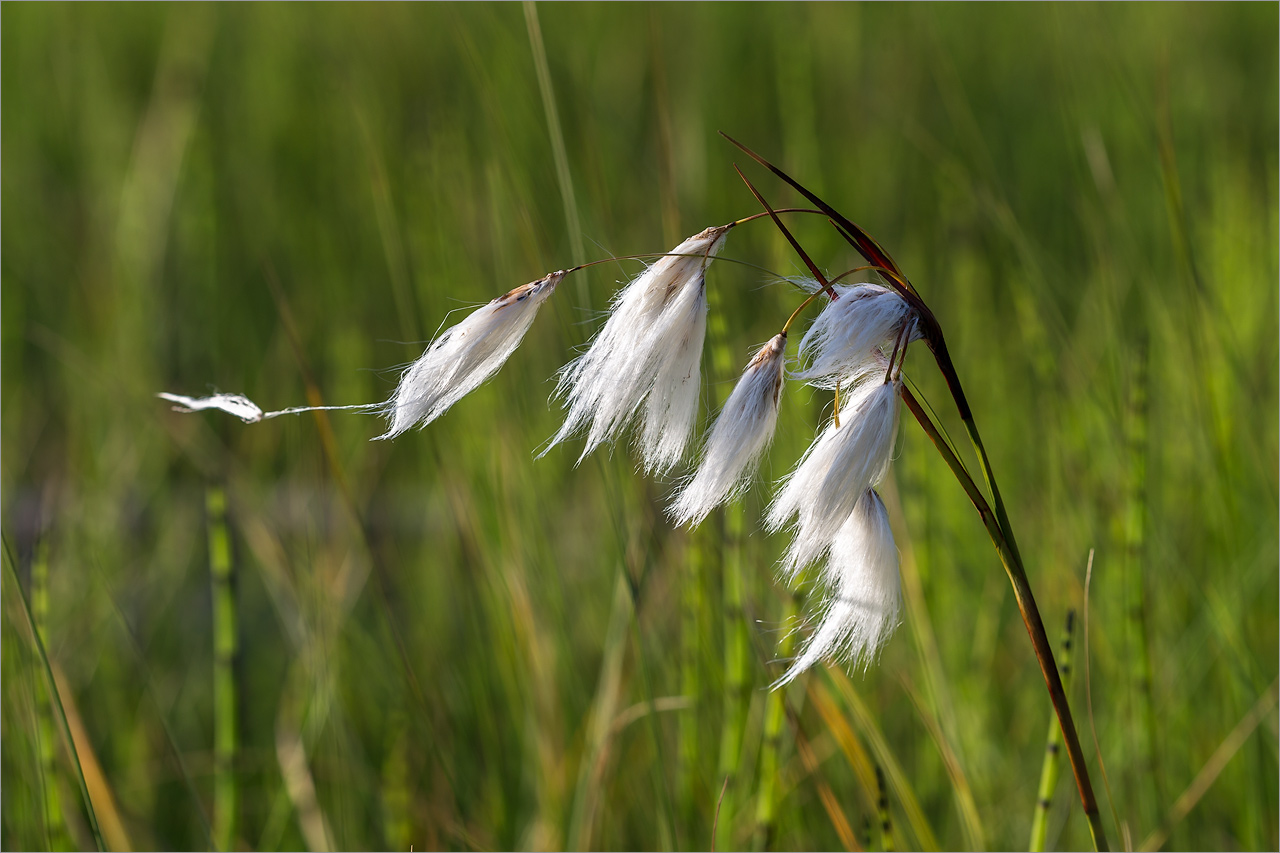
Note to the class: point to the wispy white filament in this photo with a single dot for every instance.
(461, 359)
(864, 591)
(247, 410)
(838, 467)
(741, 434)
(840, 342)
(647, 355)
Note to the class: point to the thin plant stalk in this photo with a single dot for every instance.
(692, 618)
(224, 682)
(1149, 785)
(1051, 769)
(735, 699)
(775, 718)
(997, 521)
(558, 150)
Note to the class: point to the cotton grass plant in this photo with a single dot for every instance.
(639, 379)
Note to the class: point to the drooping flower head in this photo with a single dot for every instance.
(741, 434)
(646, 357)
(465, 355)
(864, 594)
(850, 456)
(841, 342)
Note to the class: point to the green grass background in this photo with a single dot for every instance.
(441, 642)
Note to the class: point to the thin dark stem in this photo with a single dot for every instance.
(869, 248)
(813, 268)
(756, 216)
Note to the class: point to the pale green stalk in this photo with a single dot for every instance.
(775, 718)
(1052, 766)
(737, 653)
(1148, 788)
(224, 683)
(693, 619)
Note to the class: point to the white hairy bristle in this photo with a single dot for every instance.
(838, 467)
(864, 595)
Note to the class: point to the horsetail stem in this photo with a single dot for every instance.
(1052, 767)
(1148, 786)
(225, 648)
(775, 717)
(882, 808)
(736, 639)
(693, 619)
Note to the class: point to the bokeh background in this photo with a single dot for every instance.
(286, 636)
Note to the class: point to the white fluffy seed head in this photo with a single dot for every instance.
(461, 359)
(741, 434)
(864, 591)
(646, 356)
(840, 343)
(843, 462)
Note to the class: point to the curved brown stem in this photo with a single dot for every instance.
(997, 522)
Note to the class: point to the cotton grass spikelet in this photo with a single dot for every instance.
(461, 359)
(741, 434)
(865, 596)
(647, 355)
(845, 461)
(839, 343)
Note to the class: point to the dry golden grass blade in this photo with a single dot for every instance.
(885, 758)
(829, 802)
(846, 738)
(104, 800)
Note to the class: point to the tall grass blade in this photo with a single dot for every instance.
(558, 150)
(52, 687)
(55, 826)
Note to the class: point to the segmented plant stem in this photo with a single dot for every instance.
(882, 808)
(1052, 767)
(775, 718)
(1142, 722)
(737, 650)
(693, 622)
(225, 647)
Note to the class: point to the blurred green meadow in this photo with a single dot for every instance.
(284, 636)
